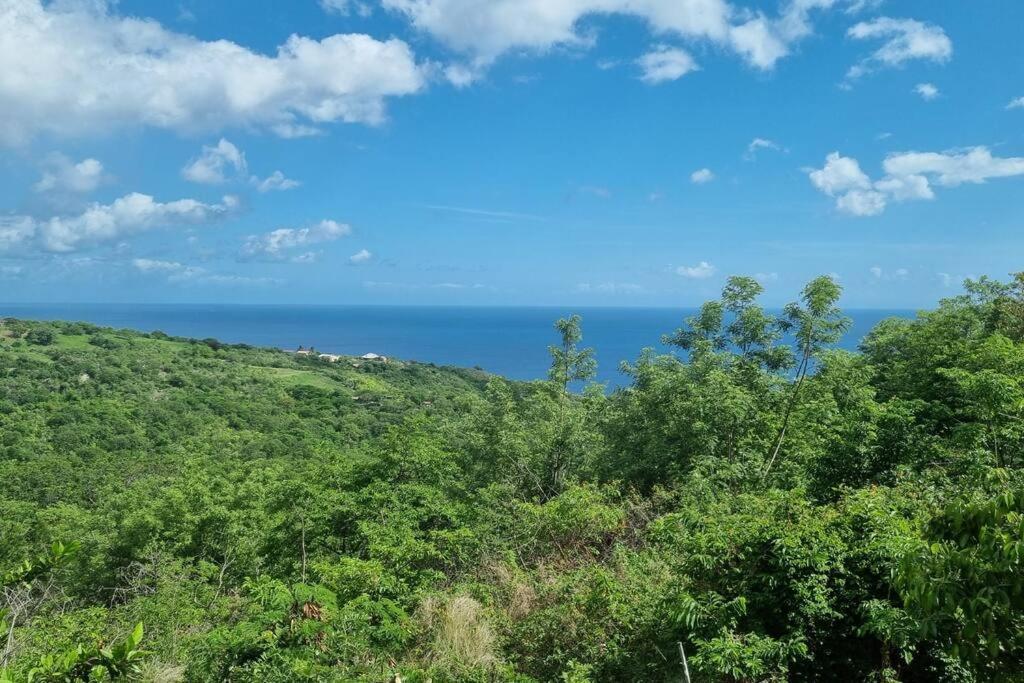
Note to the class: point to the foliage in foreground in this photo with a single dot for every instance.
(776, 509)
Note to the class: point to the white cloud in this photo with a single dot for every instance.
(361, 256)
(1017, 103)
(461, 75)
(909, 176)
(609, 288)
(758, 42)
(905, 40)
(839, 176)
(73, 68)
(175, 271)
(906, 187)
(99, 223)
(179, 272)
(702, 176)
(973, 165)
(209, 168)
(763, 41)
(665, 63)
(762, 143)
(861, 202)
(63, 175)
(701, 271)
(294, 131)
(899, 274)
(486, 29)
(277, 243)
(927, 91)
(16, 231)
(275, 181)
(346, 7)
(225, 161)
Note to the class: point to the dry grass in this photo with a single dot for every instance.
(159, 672)
(461, 633)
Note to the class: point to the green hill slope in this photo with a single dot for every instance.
(779, 512)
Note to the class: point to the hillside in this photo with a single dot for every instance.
(780, 511)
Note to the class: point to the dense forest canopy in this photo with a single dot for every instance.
(176, 509)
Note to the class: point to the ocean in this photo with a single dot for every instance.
(507, 341)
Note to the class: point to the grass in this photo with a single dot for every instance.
(371, 384)
(71, 341)
(291, 377)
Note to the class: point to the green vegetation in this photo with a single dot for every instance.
(174, 509)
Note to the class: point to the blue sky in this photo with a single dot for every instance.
(523, 152)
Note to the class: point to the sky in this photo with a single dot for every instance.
(507, 152)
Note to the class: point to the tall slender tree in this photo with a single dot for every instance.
(815, 322)
(569, 363)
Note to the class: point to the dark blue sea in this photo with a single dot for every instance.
(507, 341)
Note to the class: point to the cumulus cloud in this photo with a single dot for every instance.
(361, 256)
(75, 68)
(764, 40)
(927, 91)
(702, 176)
(275, 181)
(861, 202)
(973, 165)
(905, 40)
(701, 271)
(102, 223)
(486, 29)
(276, 245)
(16, 231)
(840, 175)
(1017, 103)
(909, 176)
(462, 75)
(225, 161)
(63, 175)
(665, 63)
(210, 167)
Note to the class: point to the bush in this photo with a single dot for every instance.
(41, 336)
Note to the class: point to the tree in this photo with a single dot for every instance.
(41, 336)
(568, 362)
(815, 322)
(1010, 309)
(965, 585)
